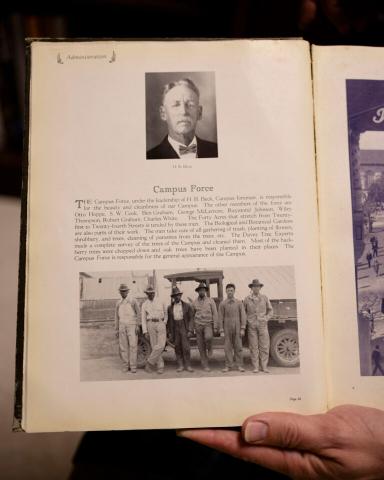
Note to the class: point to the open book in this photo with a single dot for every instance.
(188, 260)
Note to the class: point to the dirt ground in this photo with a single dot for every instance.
(100, 360)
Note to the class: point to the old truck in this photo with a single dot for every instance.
(282, 327)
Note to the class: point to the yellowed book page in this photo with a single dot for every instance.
(349, 88)
(133, 188)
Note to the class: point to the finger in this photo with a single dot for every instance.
(290, 431)
(290, 463)
(213, 437)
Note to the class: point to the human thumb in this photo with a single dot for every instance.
(288, 430)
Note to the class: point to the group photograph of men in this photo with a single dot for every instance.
(187, 323)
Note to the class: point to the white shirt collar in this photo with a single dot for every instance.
(175, 145)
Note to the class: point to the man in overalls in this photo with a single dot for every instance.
(259, 310)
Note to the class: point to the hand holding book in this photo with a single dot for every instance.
(345, 442)
(258, 219)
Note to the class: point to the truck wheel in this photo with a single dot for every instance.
(143, 351)
(285, 348)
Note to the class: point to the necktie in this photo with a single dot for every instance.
(191, 149)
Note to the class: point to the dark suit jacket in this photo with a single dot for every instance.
(187, 319)
(164, 150)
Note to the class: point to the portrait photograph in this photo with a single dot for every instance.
(181, 118)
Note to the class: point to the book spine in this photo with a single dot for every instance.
(19, 365)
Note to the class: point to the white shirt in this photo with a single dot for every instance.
(154, 309)
(175, 145)
(126, 311)
(178, 311)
